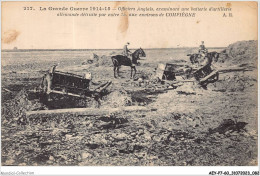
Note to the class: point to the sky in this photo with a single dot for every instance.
(35, 29)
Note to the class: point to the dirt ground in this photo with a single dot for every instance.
(186, 126)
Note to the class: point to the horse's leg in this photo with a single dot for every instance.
(191, 60)
(114, 71)
(131, 72)
(118, 71)
(134, 72)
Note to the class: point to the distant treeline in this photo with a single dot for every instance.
(28, 50)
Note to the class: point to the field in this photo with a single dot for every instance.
(187, 126)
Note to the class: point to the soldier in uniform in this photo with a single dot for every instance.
(203, 54)
(126, 51)
(202, 49)
(205, 60)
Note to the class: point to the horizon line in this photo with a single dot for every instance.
(101, 49)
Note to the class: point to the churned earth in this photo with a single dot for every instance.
(186, 126)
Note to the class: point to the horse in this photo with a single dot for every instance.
(119, 60)
(194, 58)
(213, 55)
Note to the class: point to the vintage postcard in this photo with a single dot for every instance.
(129, 83)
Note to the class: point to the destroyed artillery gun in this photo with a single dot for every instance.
(68, 84)
(205, 75)
(175, 75)
(208, 73)
(72, 85)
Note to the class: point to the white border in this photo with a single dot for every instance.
(119, 170)
(128, 170)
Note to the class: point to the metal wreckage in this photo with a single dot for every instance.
(68, 84)
(170, 75)
(200, 72)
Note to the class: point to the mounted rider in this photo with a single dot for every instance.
(203, 51)
(205, 60)
(126, 51)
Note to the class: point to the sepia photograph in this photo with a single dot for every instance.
(129, 83)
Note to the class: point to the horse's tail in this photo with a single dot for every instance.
(114, 60)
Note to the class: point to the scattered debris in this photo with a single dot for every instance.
(149, 123)
(228, 125)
